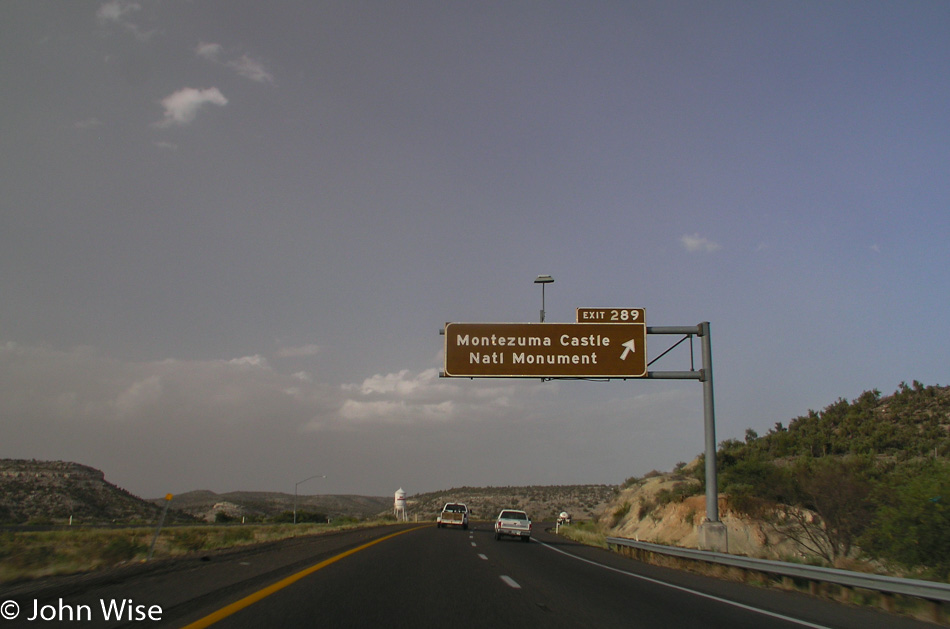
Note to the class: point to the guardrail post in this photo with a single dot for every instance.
(936, 612)
(887, 601)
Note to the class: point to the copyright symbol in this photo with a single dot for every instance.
(9, 610)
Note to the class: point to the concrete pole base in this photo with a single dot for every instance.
(712, 536)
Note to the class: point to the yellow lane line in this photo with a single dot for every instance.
(250, 599)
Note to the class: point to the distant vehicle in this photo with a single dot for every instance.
(564, 518)
(513, 524)
(453, 514)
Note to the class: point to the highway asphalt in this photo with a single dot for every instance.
(418, 576)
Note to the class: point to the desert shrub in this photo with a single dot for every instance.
(235, 535)
(679, 492)
(619, 514)
(122, 548)
(646, 508)
(189, 539)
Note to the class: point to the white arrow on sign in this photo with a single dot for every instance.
(629, 346)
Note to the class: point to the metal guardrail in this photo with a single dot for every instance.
(931, 591)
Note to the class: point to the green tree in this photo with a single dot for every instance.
(829, 506)
(913, 517)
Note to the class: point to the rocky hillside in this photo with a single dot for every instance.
(259, 506)
(844, 483)
(50, 492)
(541, 502)
(668, 509)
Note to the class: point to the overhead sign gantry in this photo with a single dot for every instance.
(604, 343)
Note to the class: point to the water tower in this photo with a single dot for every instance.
(399, 506)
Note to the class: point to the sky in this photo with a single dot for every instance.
(231, 231)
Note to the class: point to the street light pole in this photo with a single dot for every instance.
(297, 484)
(542, 280)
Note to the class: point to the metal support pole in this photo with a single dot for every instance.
(542, 303)
(709, 415)
(712, 531)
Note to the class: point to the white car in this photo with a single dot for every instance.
(513, 523)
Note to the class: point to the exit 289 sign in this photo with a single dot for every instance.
(611, 315)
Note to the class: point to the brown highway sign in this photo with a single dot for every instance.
(545, 350)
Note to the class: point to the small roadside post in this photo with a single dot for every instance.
(161, 522)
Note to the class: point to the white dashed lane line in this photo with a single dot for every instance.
(510, 582)
(485, 557)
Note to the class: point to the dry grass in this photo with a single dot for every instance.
(31, 555)
(584, 532)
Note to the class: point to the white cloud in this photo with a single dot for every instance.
(406, 397)
(396, 411)
(251, 69)
(695, 243)
(182, 106)
(138, 395)
(208, 51)
(250, 361)
(117, 10)
(245, 66)
(400, 383)
(168, 146)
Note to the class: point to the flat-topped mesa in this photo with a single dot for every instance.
(50, 469)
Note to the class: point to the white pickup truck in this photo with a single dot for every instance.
(513, 523)
(453, 514)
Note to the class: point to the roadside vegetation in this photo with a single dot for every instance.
(585, 532)
(864, 480)
(36, 554)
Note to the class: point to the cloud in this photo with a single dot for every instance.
(255, 361)
(208, 51)
(119, 12)
(698, 244)
(240, 423)
(138, 395)
(397, 411)
(66, 386)
(116, 11)
(245, 66)
(182, 106)
(407, 397)
(251, 69)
